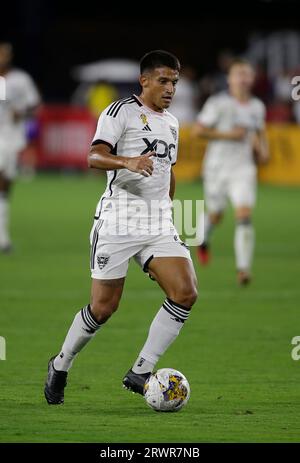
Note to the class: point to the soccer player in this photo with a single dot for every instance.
(233, 122)
(136, 143)
(21, 98)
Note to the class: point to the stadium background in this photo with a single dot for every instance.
(237, 351)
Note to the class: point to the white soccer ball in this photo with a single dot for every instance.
(167, 390)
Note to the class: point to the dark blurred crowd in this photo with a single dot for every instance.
(275, 57)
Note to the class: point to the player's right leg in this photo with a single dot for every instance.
(109, 264)
(8, 171)
(215, 201)
(105, 299)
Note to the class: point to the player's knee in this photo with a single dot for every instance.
(243, 215)
(243, 220)
(185, 295)
(103, 310)
(216, 218)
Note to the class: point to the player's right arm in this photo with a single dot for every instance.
(104, 153)
(100, 157)
(200, 130)
(205, 127)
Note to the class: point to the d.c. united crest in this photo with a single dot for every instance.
(102, 261)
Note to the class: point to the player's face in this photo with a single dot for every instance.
(159, 86)
(5, 55)
(241, 78)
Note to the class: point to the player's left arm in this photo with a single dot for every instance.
(260, 144)
(260, 147)
(172, 185)
(19, 115)
(29, 99)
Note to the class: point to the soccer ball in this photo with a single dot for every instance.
(166, 390)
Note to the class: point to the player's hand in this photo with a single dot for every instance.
(261, 157)
(141, 164)
(237, 133)
(17, 116)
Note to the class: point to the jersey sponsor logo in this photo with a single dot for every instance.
(161, 148)
(102, 261)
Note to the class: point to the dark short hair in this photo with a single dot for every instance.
(157, 59)
(240, 62)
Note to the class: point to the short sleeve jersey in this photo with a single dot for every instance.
(132, 129)
(223, 112)
(21, 95)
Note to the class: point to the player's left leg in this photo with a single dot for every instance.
(215, 197)
(243, 243)
(176, 276)
(242, 193)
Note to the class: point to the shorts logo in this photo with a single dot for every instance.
(102, 261)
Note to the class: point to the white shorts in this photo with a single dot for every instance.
(9, 155)
(110, 256)
(238, 186)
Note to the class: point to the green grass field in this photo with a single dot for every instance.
(235, 349)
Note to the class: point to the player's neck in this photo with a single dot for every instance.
(4, 71)
(149, 104)
(243, 97)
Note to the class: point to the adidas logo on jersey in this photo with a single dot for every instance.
(145, 122)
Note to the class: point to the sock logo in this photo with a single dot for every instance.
(61, 355)
(141, 361)
(176, 319)
(89, 330)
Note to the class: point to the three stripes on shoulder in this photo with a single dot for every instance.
(115, 107)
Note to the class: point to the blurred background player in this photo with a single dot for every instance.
(234, 124)
(20, 99)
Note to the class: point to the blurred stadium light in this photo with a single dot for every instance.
(111, 70)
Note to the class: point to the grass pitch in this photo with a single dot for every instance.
(235, 349)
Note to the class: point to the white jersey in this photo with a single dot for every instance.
(132, 129)
(21, 95)
(223, 112)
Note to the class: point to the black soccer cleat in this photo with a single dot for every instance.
(135, 382)
(55, 384)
